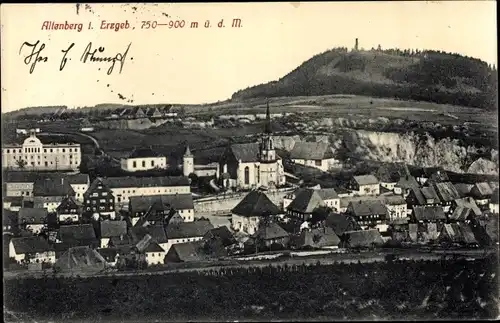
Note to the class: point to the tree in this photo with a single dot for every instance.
(21, 163)
(320, 214)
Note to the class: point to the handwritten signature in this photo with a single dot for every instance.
(89, 55)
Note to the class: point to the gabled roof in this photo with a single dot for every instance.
(78, 179)
(9, 217)
(128, 181)
(341, 223)
(327, 194)
(144, 153)
(222, 234)
(14, 200)
(363, 238)
(463, 189)
(32, 216)
(458, 232)
(392, 200)
(80, 259)
(366, 179)
(270, 231)
(154, 247)
(407, 182)
(425, 193)
(157, 232)
(78, 233)
(70, 203)
(311, 151)
(317, 238)
(95, 185)
(446, 191)
(188, 229)
(306, 201)
(481, 190)
(245, 152)
(52, 187)
(110, 229)
(429, 213)
(188, 251)
(176, 201)
(391, 173)
(33, 244)
(468, 203)
(494, 197)
(20, 177)
(368, 207)
(256, 203)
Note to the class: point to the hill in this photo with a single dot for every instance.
(421, 76)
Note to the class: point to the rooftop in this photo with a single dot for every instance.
(256, 203)
(366, 180)
(311, 151)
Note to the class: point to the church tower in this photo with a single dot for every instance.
(187, 162)
(267, 152)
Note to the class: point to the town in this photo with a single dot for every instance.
(57, 218)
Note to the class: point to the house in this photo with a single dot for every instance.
(69, 211)
(270, 234)
(111, 255)
(34, 220)
(13, 203)
(159, 213)
(447, 193)
(463, 189)
(19, 183)
(156, 232)
(390, 174)
(124, 187)
(39, 155)
(323, 237)
(405, 184)
(32, 250)
(78, 235)
(252, 165)
(341, 223)
(143, 159)
(80, 184)
(362, 239)
(314, 154)
(304, 204)
(153, 112)
(9, 222)
(493, 205)
(365, 185)
(254, 207)
(49, 192)
(428, 213)
(155, 255)
(219, 241)
(423, 196)
(369, 213)
(482, 193)
(396, 206)
(186, 252)
(79, 260)
(99, 200)
(463, 209)
(457, 233)
(330, 197)
(181, 203)
(111, 229)
(186, 232)
(435, 174)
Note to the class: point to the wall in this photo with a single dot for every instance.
(225, 205)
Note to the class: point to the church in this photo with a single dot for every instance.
(252, 165)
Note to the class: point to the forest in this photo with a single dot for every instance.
(395, 289)
(433, 76)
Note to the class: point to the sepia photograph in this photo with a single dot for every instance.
(232, 162)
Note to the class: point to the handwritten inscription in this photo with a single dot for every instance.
(32, 54)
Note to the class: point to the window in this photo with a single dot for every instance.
(70, 150)
(258, 174)
(64, 150)
(51, 150)
(143, 163)
(93, 202)
(152, 163)
(247, 175)
(104, 193)
(44, 150)
(134, 164)
(8, 151)
(318, 162)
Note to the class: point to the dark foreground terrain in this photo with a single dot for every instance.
(390, 290)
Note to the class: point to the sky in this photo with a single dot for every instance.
(204, 65)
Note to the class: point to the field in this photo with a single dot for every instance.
(391, 290)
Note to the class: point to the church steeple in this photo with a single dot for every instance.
(267, 127)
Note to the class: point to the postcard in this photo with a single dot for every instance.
(328, 161)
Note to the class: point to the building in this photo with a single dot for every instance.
(186, 252)
(80, 184)
(428, 213)
(34, 220)
(314, 154)
(457, 233)
(423, 196)
(405, 184)
(304, 204)
(493, 205)
(80, 259)
(396, 206)
(181, 203)
(111, 229)
(434, 174)
(69, 211)
(100, 200)
(219, 241)
(447, 193)
(77, 235)
(155, 233)
(481, 192)
(13, 203)
(49, 192)
(155, 254)
(186, 232)
(319, 238)
(252, 165)
(369, 214)
(362, 239)
(390, 174)
(341, 223)
(9, 222)
(269, 235)
(143, 159)
(33, 154)
(187, 162)
(365, 185)
(32, 250)
(251, 210)
(19, 183)
(464, 209)
(125, 187)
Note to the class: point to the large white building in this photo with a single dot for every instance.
(252, 165)
(143, 159)
(33, 154)
(314, 154)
